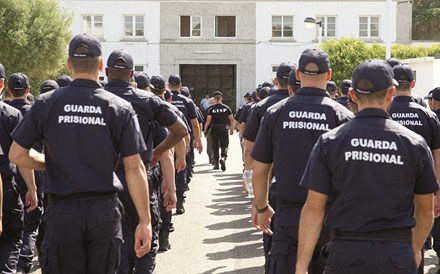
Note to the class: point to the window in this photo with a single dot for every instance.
(282, 26)
(190, 26)
(225, 26)
(134, 25)
(369, 26)
(139, 68)
(328, 24)
(92, 24)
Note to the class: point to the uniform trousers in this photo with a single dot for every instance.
(282, 257)
(267, 239)
(209, 147)
(10, 239)
(220, 140)
(32, 221)
(129, 262)
(82, 236)
(369, 256)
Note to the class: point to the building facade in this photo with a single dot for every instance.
(231, 45)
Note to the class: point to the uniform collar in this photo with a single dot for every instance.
(119, 83)
(282, 92)
(372, 112)
(175, 92)
(403, 99)
(312, 91)
(86, 83)
(19, 101)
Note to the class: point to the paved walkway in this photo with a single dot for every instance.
(215, 235)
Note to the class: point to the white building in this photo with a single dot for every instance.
(230, 45)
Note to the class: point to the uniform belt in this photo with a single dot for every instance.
(55, 198)
(389, 235)
(287, 203)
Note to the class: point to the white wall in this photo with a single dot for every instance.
(347, 24)
(144, 52)
(426, 68)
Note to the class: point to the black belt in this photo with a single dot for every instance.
(287, 203)
(55, 198)
(392, 235)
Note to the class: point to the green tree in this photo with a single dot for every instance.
(426, 20)
(34, 36)
(346, 53)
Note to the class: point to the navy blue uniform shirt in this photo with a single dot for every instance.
(238, 113)
(219, 113)
(148, 107)
(244, 113)
(254, 120)
(288, 132)
(343, 100)
(84, 129)
(185, 105)
(417, 118)
(10, 117)
(21, 104)
(371, 167)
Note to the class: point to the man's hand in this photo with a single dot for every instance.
(198, 145)
(180, 163)
(155, 157)
(264, 220)
(31, 200)
(231, 131)
(142, 244)
(418, 257)
(169, 198)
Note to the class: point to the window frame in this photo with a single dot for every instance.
(215, 27)
(282, 27)
(133, 29)
(191, 27)
(324, 24)
(92, 30)
(369, 29)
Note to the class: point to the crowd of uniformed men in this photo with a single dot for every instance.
(91, 171)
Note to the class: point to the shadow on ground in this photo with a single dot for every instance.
(238, 252)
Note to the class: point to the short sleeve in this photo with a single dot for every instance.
(252, 125)
(435, 142)
(262, 150)
(28, 132)
(192, 114)
(163, 113)
(131, 141)
(316, 175)
(426, 181)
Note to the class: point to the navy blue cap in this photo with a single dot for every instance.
(377, 72)
(64, 80)
(263, 92)
(2, 71)
(174, 79)
(317, 57)
(48, 85)
(185, 91)
(436, 94)
(254, 95)
(167, 95)
(292, 79)
(403, 74)
(30, 97)
(87, 41)
(120, 59)
(18, 81)
(217, 92)
(142, 79)
(157, 82)
(284, 69)
(393, 62)
(273, 90)
(345, 86)
(247, 95)
(429, 96)
(331, 86)
(266, 84)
